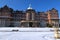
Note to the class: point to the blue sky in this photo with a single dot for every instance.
(38, 5)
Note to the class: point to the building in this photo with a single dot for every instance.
(27, 18)
(53, 17)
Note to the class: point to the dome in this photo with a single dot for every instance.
(29, 7)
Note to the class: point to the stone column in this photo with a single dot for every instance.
(27, 16)
(33, 16)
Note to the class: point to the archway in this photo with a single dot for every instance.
(30, 24)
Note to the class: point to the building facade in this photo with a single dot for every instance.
(27, 18)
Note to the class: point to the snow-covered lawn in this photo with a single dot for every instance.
(26, 36)
(26, 29)
(23, 34)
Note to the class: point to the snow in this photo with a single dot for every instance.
(26, 29)
(26, 34)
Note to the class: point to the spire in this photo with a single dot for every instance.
(29, 7)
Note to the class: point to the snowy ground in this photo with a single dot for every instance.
(27, 34)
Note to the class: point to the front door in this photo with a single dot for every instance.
(30, 24)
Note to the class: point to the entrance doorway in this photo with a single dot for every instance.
(30, 24)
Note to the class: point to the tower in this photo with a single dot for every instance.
(53, 18)
(30, 13)
(30, 18)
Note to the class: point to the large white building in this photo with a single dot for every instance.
(28, 18)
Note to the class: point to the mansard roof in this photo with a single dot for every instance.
(6, 8)
(53, 9)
